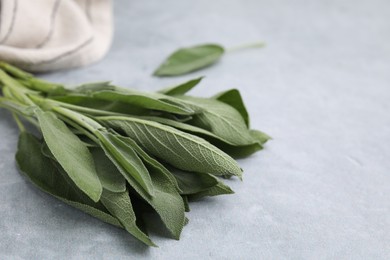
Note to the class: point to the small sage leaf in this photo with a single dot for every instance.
(190, 59)
(182, 88)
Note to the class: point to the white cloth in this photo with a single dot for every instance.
(46, 35)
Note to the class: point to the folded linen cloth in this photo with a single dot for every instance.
(46, 35)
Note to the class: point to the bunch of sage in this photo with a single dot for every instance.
(117, 153)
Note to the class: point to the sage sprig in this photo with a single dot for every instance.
(114, 152)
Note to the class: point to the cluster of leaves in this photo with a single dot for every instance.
(117, 153)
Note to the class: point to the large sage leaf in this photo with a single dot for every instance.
(182, 150)
(220, 119)
(124, 156)
(186, 60)
(237, 151)
(119, 205)
(46, 176)
(71, 154)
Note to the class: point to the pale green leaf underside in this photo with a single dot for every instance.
(182, 150)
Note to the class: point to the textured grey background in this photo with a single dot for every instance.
(320, 189)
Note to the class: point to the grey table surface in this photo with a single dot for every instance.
(320, 189)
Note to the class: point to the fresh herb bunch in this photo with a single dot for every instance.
(117, 153)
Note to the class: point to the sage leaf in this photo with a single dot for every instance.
(124, 155)
(182, 150)
(219, 189)
(167, 201)
(148, 101)
(261, 137)
(111, 179)
(71, 154)
(193, 182)
(151, 161)
(182, 88)
(119, 205)
(220, 119)
(233, 98)
(236, 151)
(190, 59)
(42, 173)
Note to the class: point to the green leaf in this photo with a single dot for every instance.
(190, 59)
(182, 150)
(186, 204)
(193, 182)
(89, 88)
(219, 189)
(260, 136)
(220, 119)
(124, 155)
(71, 154)
(111, 179)
(42, 172)
(151, 161)
(119, 205)
(233, 98)
(153, 101)
(167, 202)
(237, 151)
(182, 88)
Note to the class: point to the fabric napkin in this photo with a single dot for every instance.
(46, 35)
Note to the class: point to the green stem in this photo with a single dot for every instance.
(18, 122)
(247, 46)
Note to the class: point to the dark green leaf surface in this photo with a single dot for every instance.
(71, 154)
(190, 59)
(182, 150)
(42, 172)
(111, 179)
